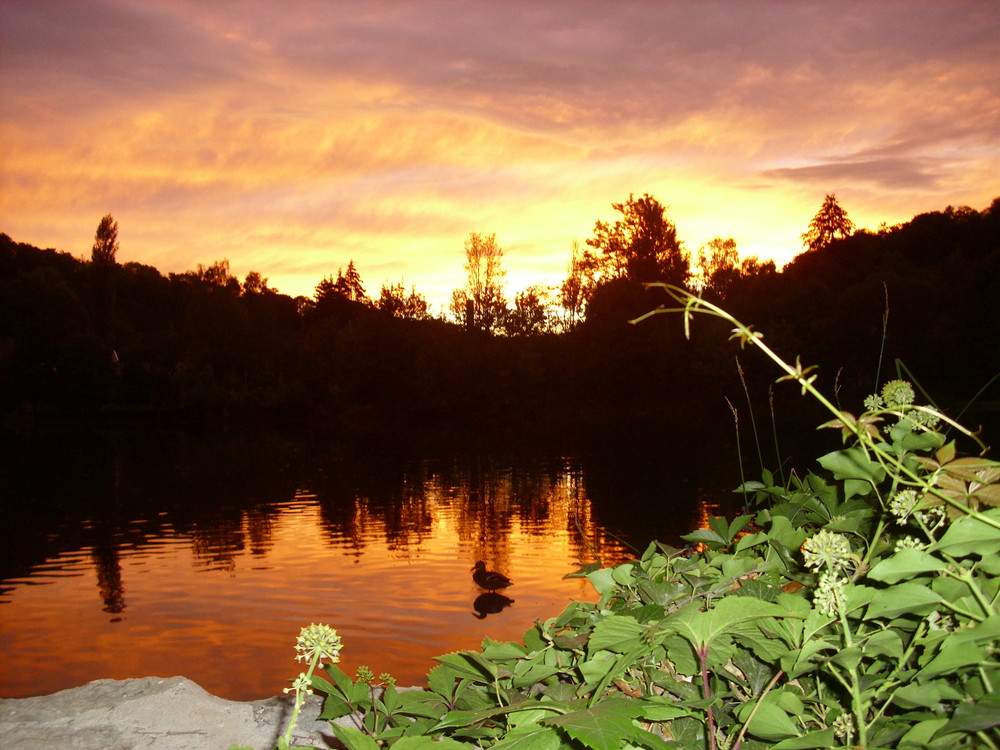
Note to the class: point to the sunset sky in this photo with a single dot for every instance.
(291, 137)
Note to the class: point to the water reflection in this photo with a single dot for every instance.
(125, 555)
(490, 603)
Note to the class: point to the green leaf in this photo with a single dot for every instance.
(906, 563)
(441, 680)
(983, 632)
(738, 524)
(822, 738)
(926, 695)
(750, 540)
(720, 526)
(501, 651)
(354, 739)
(856, 487)
(659, 708)
(530, 738)
(619, 633)
(798, 662)
(919, 736)
(422, 703)
(904, 598)
(708, 536)
(968, 536)
(973, 717)
(602, 581)
(428, 743)
(455, 719)
(681, 655)
(852, 463)
(952, 658)
(624, 574)
(769, 722)
(598, 665)
(700, 628)
(603, 726)
(469, 664)
(857, 596)
(526, 673)
(885, 643)
(660, 592)
(340, 679)
(848, 657)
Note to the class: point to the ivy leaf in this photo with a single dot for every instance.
(973, 717)
(604, 726)
(885, 643)
(823, 738)
(926, 695)
(906, 563)
(968, 535)
(904, 598)
(953, 658)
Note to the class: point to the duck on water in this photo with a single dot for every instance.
(489, 579)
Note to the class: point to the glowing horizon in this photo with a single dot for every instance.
(293, 138)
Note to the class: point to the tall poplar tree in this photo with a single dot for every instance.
(104, 261)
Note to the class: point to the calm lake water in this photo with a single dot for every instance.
(128, 553)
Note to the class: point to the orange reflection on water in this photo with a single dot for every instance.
(221, 598)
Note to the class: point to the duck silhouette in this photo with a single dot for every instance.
(489, 579)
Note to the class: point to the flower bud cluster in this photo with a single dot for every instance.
(827, 549)
(319, 642)
(829, 593)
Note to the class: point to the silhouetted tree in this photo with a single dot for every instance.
(530, 315)
(354, 290)
(218, 275)
(573, 292)
(484, 266)
(103, 261)
(255, 284)
(720, 270)
(829, 223)
(642, 246)
(395, 301)
(347, 285)
(105, 250)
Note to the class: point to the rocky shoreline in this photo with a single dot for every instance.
(154, 712)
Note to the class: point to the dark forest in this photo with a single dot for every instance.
(98, 338)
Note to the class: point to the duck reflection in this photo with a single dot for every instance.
(490, 603)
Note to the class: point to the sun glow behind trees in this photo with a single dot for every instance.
(298, 137)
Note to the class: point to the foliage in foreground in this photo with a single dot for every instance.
(855, 607)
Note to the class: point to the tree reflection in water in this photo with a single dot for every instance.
(211, 551)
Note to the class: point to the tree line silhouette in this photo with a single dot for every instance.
(104, 337)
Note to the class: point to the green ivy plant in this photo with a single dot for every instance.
(856, 606)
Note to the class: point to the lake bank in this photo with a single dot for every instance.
(152, 712)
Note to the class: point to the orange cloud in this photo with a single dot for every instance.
(294, 138)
